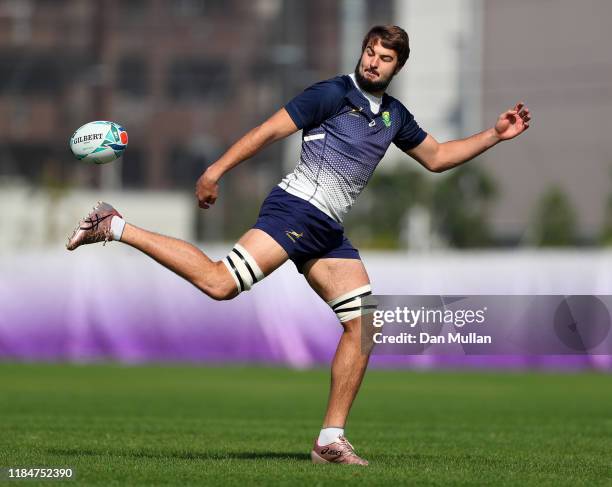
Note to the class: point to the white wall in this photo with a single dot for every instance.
(35, 218)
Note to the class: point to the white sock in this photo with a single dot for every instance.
(329, 435)
(117, 226)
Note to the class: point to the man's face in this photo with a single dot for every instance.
(376, 67)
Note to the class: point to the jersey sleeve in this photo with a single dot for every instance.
(316, 103)
(410, 134)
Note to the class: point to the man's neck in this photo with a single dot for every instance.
(377, 94)
(374, 99)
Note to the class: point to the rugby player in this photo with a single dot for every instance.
(347, 124)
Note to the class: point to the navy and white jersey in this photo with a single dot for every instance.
(343, 141)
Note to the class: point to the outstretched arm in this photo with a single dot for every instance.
(278, 126)
(439, 157)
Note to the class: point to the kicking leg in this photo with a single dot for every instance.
(333, 278)
(189, 262)
(186, 260)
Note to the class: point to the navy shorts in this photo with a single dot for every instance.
(304, 231)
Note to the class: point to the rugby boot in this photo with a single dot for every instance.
(95, 227)
(340, 451)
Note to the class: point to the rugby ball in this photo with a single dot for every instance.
(99, 142)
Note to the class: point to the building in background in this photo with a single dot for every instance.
(188, 77)
(472, 59)
(555, 55)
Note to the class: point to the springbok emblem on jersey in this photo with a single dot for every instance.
(386, 118)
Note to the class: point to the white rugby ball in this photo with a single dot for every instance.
(99, 142)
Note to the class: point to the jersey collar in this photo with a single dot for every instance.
(358, 99)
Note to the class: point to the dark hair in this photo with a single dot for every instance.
(391, 37)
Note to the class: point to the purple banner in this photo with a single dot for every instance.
(113, 303)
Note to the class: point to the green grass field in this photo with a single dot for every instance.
(165, 425)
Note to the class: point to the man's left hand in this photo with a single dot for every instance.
(513, 122)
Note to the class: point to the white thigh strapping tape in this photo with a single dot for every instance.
(243, 268)
(351, 305)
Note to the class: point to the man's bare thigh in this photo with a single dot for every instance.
(268, 254)
(331, 278)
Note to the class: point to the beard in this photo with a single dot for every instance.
(368, 85)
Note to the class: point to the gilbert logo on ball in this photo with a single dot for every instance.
(99, 142)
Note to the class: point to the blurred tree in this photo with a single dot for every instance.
(460, 204)
(379, 213)
(554, 224)
(606, 232)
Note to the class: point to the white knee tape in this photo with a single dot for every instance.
(351, 304)
(243, 268)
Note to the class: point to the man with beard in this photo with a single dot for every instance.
(347, 122)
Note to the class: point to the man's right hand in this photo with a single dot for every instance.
(207, 189)
(276, 127)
